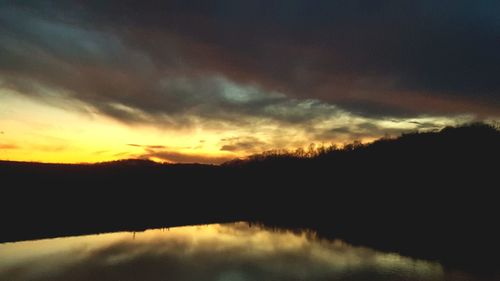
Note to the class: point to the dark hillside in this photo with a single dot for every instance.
(430, 195)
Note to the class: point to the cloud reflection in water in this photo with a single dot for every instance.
(226, 252)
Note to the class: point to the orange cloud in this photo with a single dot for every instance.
(8, 146)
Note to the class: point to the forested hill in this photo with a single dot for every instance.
(427, 194)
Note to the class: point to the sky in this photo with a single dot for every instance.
(209, 81)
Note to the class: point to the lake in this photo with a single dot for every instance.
(218, 252)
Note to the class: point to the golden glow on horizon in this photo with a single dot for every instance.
(41, 131)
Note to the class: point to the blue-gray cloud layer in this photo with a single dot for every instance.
(288, 61)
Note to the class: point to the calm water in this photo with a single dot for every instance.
(219, 252)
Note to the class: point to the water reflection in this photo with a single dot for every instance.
(227, 252)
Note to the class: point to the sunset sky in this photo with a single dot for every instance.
(209, 81)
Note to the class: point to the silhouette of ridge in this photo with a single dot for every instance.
(424, 194)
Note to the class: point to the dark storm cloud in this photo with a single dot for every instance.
(351, 52)
(102, 70)
(169, 60)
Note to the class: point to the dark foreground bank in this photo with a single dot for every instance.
(427, 195)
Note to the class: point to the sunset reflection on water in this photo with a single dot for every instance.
(222, 252)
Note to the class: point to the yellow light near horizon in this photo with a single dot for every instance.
(40, 132)
(62, 130)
